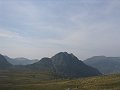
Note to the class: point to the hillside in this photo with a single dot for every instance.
(106, 65)
(44, 65)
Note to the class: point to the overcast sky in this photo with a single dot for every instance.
(41, 28)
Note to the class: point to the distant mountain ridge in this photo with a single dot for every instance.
(64, 64)
(106, 65)
(61, 64)
(20, 61)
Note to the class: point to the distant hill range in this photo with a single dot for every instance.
(106, 65)
(20, 61)
(64, 64)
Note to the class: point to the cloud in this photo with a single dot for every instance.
(43, 28)
(8, 34)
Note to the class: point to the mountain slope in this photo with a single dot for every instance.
(106, 65)
(4, 64)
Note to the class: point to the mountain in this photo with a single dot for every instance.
(106, 65)
(69, 65)
(4, 64)
(64, 64)
(20, 61)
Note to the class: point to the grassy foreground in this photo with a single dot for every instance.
(42, 81)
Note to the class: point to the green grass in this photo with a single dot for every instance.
(44, 81)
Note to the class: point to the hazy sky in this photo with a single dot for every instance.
(38, 28)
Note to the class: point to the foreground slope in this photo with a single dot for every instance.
(106, 65)
(42, 81)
